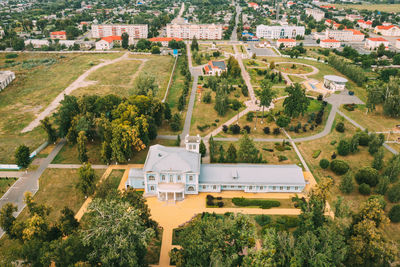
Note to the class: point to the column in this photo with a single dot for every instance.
(174, 196)
(166, 196)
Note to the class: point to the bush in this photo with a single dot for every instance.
(340, 127)
(394, 213)
(394, 193)
(347, 183)
(363, 139)
(343, 148)
(367, 175)
(339, 167)
(283, 121)
(276, 131)
(282, 158)
(247, 128)
(210, 197)
(250, 116)
(224, 128)
(333, 142)
(333, 156)
(263, 219)
(210, 202)
(267, 130)
(364, 189)
(381, 200)
(316, 153)
(11, 55)
(220, 204)
(262, 203)
(234, 128)
(324, 163)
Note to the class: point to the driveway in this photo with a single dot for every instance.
(263, 52)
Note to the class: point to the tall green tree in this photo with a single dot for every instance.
(377, 163)
(265, 94)
(248, 153)
(86, 179)
(68, 109)
(125, 40)
(221, 101)
(231, 154)
(22, 158)
(194, 46)
(202, 149)
(82, 151)
(297, 101)
(48, 127)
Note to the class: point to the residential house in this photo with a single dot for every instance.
(397, 44)
(60, 35)
(214, 68)
(171, 173)
(253, 5)
(364, 24)
(276, 32)
(353, 17)
(107, 43)
(286, 42)
(164, 40)
(374, 43)
(390, 30)
(329, 43)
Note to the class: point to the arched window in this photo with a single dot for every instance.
(283, 33)
(179, 177)
(152, 178)
(190, 188)
(151, 188)
(294, 33)
(163, 177)
(190, 178)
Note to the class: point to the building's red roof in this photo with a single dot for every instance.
(328, 7)
(355, 32)
(58, 33)
(360, 21)
(206, 68)
(378, 39)
(368, 22)
(329, 21)
(286, 40)
(164, 39)
(253, 4)
(112, 38)
(381, 27)
(330, 41)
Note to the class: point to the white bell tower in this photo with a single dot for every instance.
(192, 143)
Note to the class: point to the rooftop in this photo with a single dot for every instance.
(378, 39)
(335, 78)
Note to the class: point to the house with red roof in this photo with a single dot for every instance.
(59, 35)
(108, 42)
(329, 43)
(389, 30)
(364, 24)
(214, 68)
(164, 40)
(253, 5)
(290, 3)
(374, 43)
(286, 42)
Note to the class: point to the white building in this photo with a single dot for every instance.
(200, 31)
(1, 33)
(317, 14)
(374, 43)
(214, 68)
(6, 77)
(335, 83)
(347, 35)
(164, 40)
(329, 43)
(107, 43)
(135, 31)
(277, 32)
(390, 30)
(286, 42)
(353, 17)
(364, 24)
(397, 43)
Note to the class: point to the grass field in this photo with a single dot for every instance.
(35, 86)
(372, 7)
(293, 68)
(296, 79)
(6, 183)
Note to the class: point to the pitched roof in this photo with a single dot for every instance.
(286, 40)
(378, 39)
(218, 64)
(164, 39)
(112, 38)
(330, 41)
(355, 32)
(251, 174)
(58, 33)
(162, 158)
(382, 27)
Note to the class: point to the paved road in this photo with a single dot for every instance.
(234, 31)
(28, 182)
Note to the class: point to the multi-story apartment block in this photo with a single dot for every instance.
(347, 35)
(189, 31)
(329, 43)
(277, 32)
(374, 43)
(317, 14)
(390, 30)
(135, 31)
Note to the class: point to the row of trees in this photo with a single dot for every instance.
(385, 94)
(353, 72)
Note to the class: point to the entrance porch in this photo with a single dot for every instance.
(171, 191)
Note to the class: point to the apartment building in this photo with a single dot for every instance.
(317, 14)
(374, 43)
(389, 30)
(364, 24)
(286, 42)
(189, 31)
(277, 32)
(353, 17)
(60, 35)
(135, 31)
(329, 43)
(346, 35)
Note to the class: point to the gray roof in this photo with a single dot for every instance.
(162, 158)
(251, 174)
(335, 78)
(136, 177)
(219, 64)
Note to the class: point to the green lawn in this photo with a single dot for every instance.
(371, 7)
(296, 79)
(5, 184)
(293, 68)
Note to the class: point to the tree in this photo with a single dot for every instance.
(176, 122)
(7, 219)
(22, 156)
(67, 222)
(233, 67)
(394, 193)
(86, 178)
(347, 183)
(375, 142)
(364, 189)
(125, 40)
(68, 109)
(221, 158)
(115, 228)
(48, 127)
(297, 101)
(167, 111)
(231, 154)
(283, 121)
(324, 163)
(236, 105)
(378, 159)
(343, 148)
(339, 167)
(382, 185)
(82, 151)
(248, 153)
(221, 101)
(106, 152)
(393, 168)
(145, 84)
(194, 46)
(265, 94)
(212, 148)
(394, 213)
(368, 176)
(155, 50)
(202, 149)
(340, 127)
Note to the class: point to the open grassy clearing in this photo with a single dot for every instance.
(56, 189)
(293, 68)
(356, 161)
(5, 184)
(119, 73)
(225, 48)
(296, 79)
(374, 121)
(372, 7)
(35, 86)
(204, 113)
(115, 178)
(69, 154)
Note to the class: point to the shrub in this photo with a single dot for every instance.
(394, 193)
(268, 149)
(11, 55)
(333, 142)
(316, 153)
(210, 202)
(220, 204)
(247, 128)
(282, 158)
(333, 156)
(394, 213)
(364, 189)
(250, 116)
(340, 127)
(234, 128)
(347, 183)
(276, 131)
(210, 197)
(219, 198)
(382, 185)
(263, 203)
(367, 175)
(283, 121)
(363, 139)
(207, 97)
(324, 163)
(381, 200)
(339, 167)
(343, 148)
(263, 219)
(266, 130)
(224, 128)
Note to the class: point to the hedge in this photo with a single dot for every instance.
(262, 203)
(316, 153)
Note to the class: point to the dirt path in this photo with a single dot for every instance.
(80, 82)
